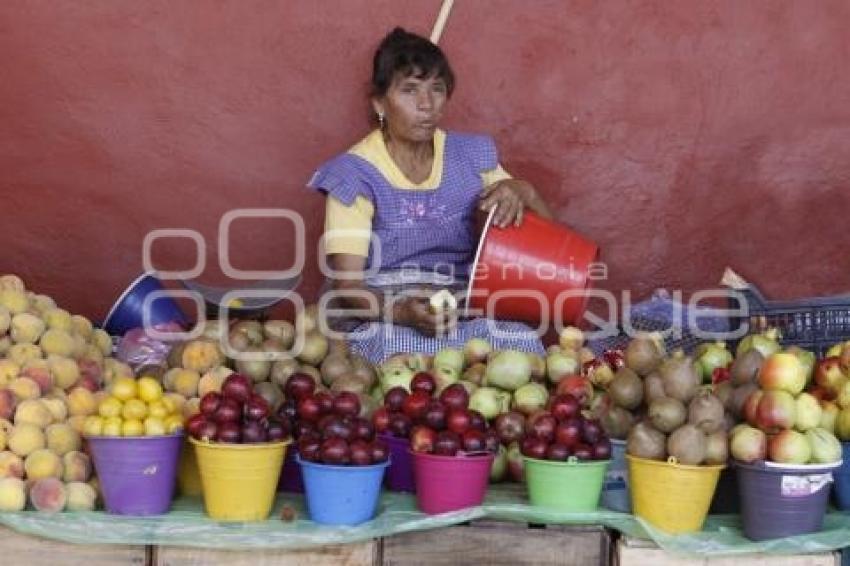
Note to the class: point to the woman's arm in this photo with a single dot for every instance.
(352, 293)
(512, 196)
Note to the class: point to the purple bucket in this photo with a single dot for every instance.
(138, 473)
(290, 475)
(399, 475)
(783, 500)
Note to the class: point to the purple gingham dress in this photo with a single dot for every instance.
(426, 237)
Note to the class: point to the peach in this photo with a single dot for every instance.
(48, 495)
(58, 319)
(113, 368)
(5, 319)
(201, 355)
(92, 371)
(191, 407)
(65, 371)
(80, 346)
(12, 281)
(43, 463)
(62, 438)
(40, 304)
(81, 497)
(34, 412)
(16, 301)
(11, 465)
(26, 328)
(174, 402)
(25, 439)
(82, 326)
(57, 341)
(13, 494)
(77, 467)
(25, 388)
(5, 344)
(39, 371)
(9, 370)
(76, 422)
(103, 341)
(93, 353)
(186, 383)
(57, 407)
(23, 353)
(213, 380)
(8, 402)
(81, 402)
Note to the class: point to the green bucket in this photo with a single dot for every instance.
(572, 486)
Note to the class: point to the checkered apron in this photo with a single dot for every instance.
(425, 237)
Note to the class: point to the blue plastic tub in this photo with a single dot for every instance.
(615, 490)
(128, 311)
(341, 495)
(841, 478)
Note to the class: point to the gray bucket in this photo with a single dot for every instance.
(783, 500)
(615, 490)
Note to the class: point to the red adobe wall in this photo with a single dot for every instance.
(683, 137)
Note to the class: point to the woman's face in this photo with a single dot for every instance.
(412, 107)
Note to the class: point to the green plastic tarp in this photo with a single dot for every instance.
(186, 525)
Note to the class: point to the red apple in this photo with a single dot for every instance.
(776, 411)
(789, 447)
(335, 451)
(363, 429)
(254, 432)
(298, 386)
(381, 419)
(237, 387)
(423, 381)
(326, 402)
(228, 432)
(346, 404)
(782, 372)
(209, 403)
(228, 411)
(458, 421)
(534, 447)
(473, 441)
(829, 375)
(568, 432)
(557, 452)
(256, 408)
(400, 425)
(455, 396)
(338, 428)
(416, 404)
(510, 426)
(564, 407)
(361, 453)
(583, 452)
(591, 431)
(435, 416)
(541, 425)
(309, 448)
(602, 449)
(394, 398)
(309, 409)
(477, 420)
(447, 443)
(578, 386)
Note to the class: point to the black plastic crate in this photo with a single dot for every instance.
(813, 323)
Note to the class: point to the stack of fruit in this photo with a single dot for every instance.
(134, 408)
(561, 432)
(784, 424)
(237, 415)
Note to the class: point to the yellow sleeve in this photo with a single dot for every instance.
(354, 224)
(495, 175)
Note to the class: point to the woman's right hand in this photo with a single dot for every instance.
(415, 312)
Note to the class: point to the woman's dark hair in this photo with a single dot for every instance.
(409, 54)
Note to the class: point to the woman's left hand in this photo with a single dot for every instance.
(506, 197)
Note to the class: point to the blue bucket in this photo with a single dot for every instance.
(342, 495)
(615, 489)
(841, 477)
(128, 311)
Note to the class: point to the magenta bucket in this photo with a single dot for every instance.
(137, 474)
(779, 501)
(450, 483)
(400, 473)
(290, 475)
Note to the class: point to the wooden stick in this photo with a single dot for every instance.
(442, 17)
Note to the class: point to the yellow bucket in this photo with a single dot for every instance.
(188, 476)
(671, 496)
(239, 480)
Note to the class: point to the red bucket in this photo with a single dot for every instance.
(539, 267)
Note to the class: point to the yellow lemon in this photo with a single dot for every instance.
(134, 409)
(110, 407)
(132, 427)
(173, 402)
(93, 425)
(173, 423)
(112, 426)
(124, 388)
(158, 409)
(149, 389)
(154, 426)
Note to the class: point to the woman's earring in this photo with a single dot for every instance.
(381, 120)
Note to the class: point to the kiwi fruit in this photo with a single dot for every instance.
(653, 387)
(680, 377)
(281, 370)
(616, 422)
(644, 353)
(667, 414)
(688, 445)
(626, 389)
(717, 448)
(706, 412)
(350, 382)
(739, 397)
(746, 367)
(333, 367)
(644, 441)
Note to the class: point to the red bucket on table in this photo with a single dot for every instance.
(527, 270)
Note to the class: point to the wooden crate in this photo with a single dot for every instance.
(495, 542)
(633, 552)
(17, 548)
(355, 554)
